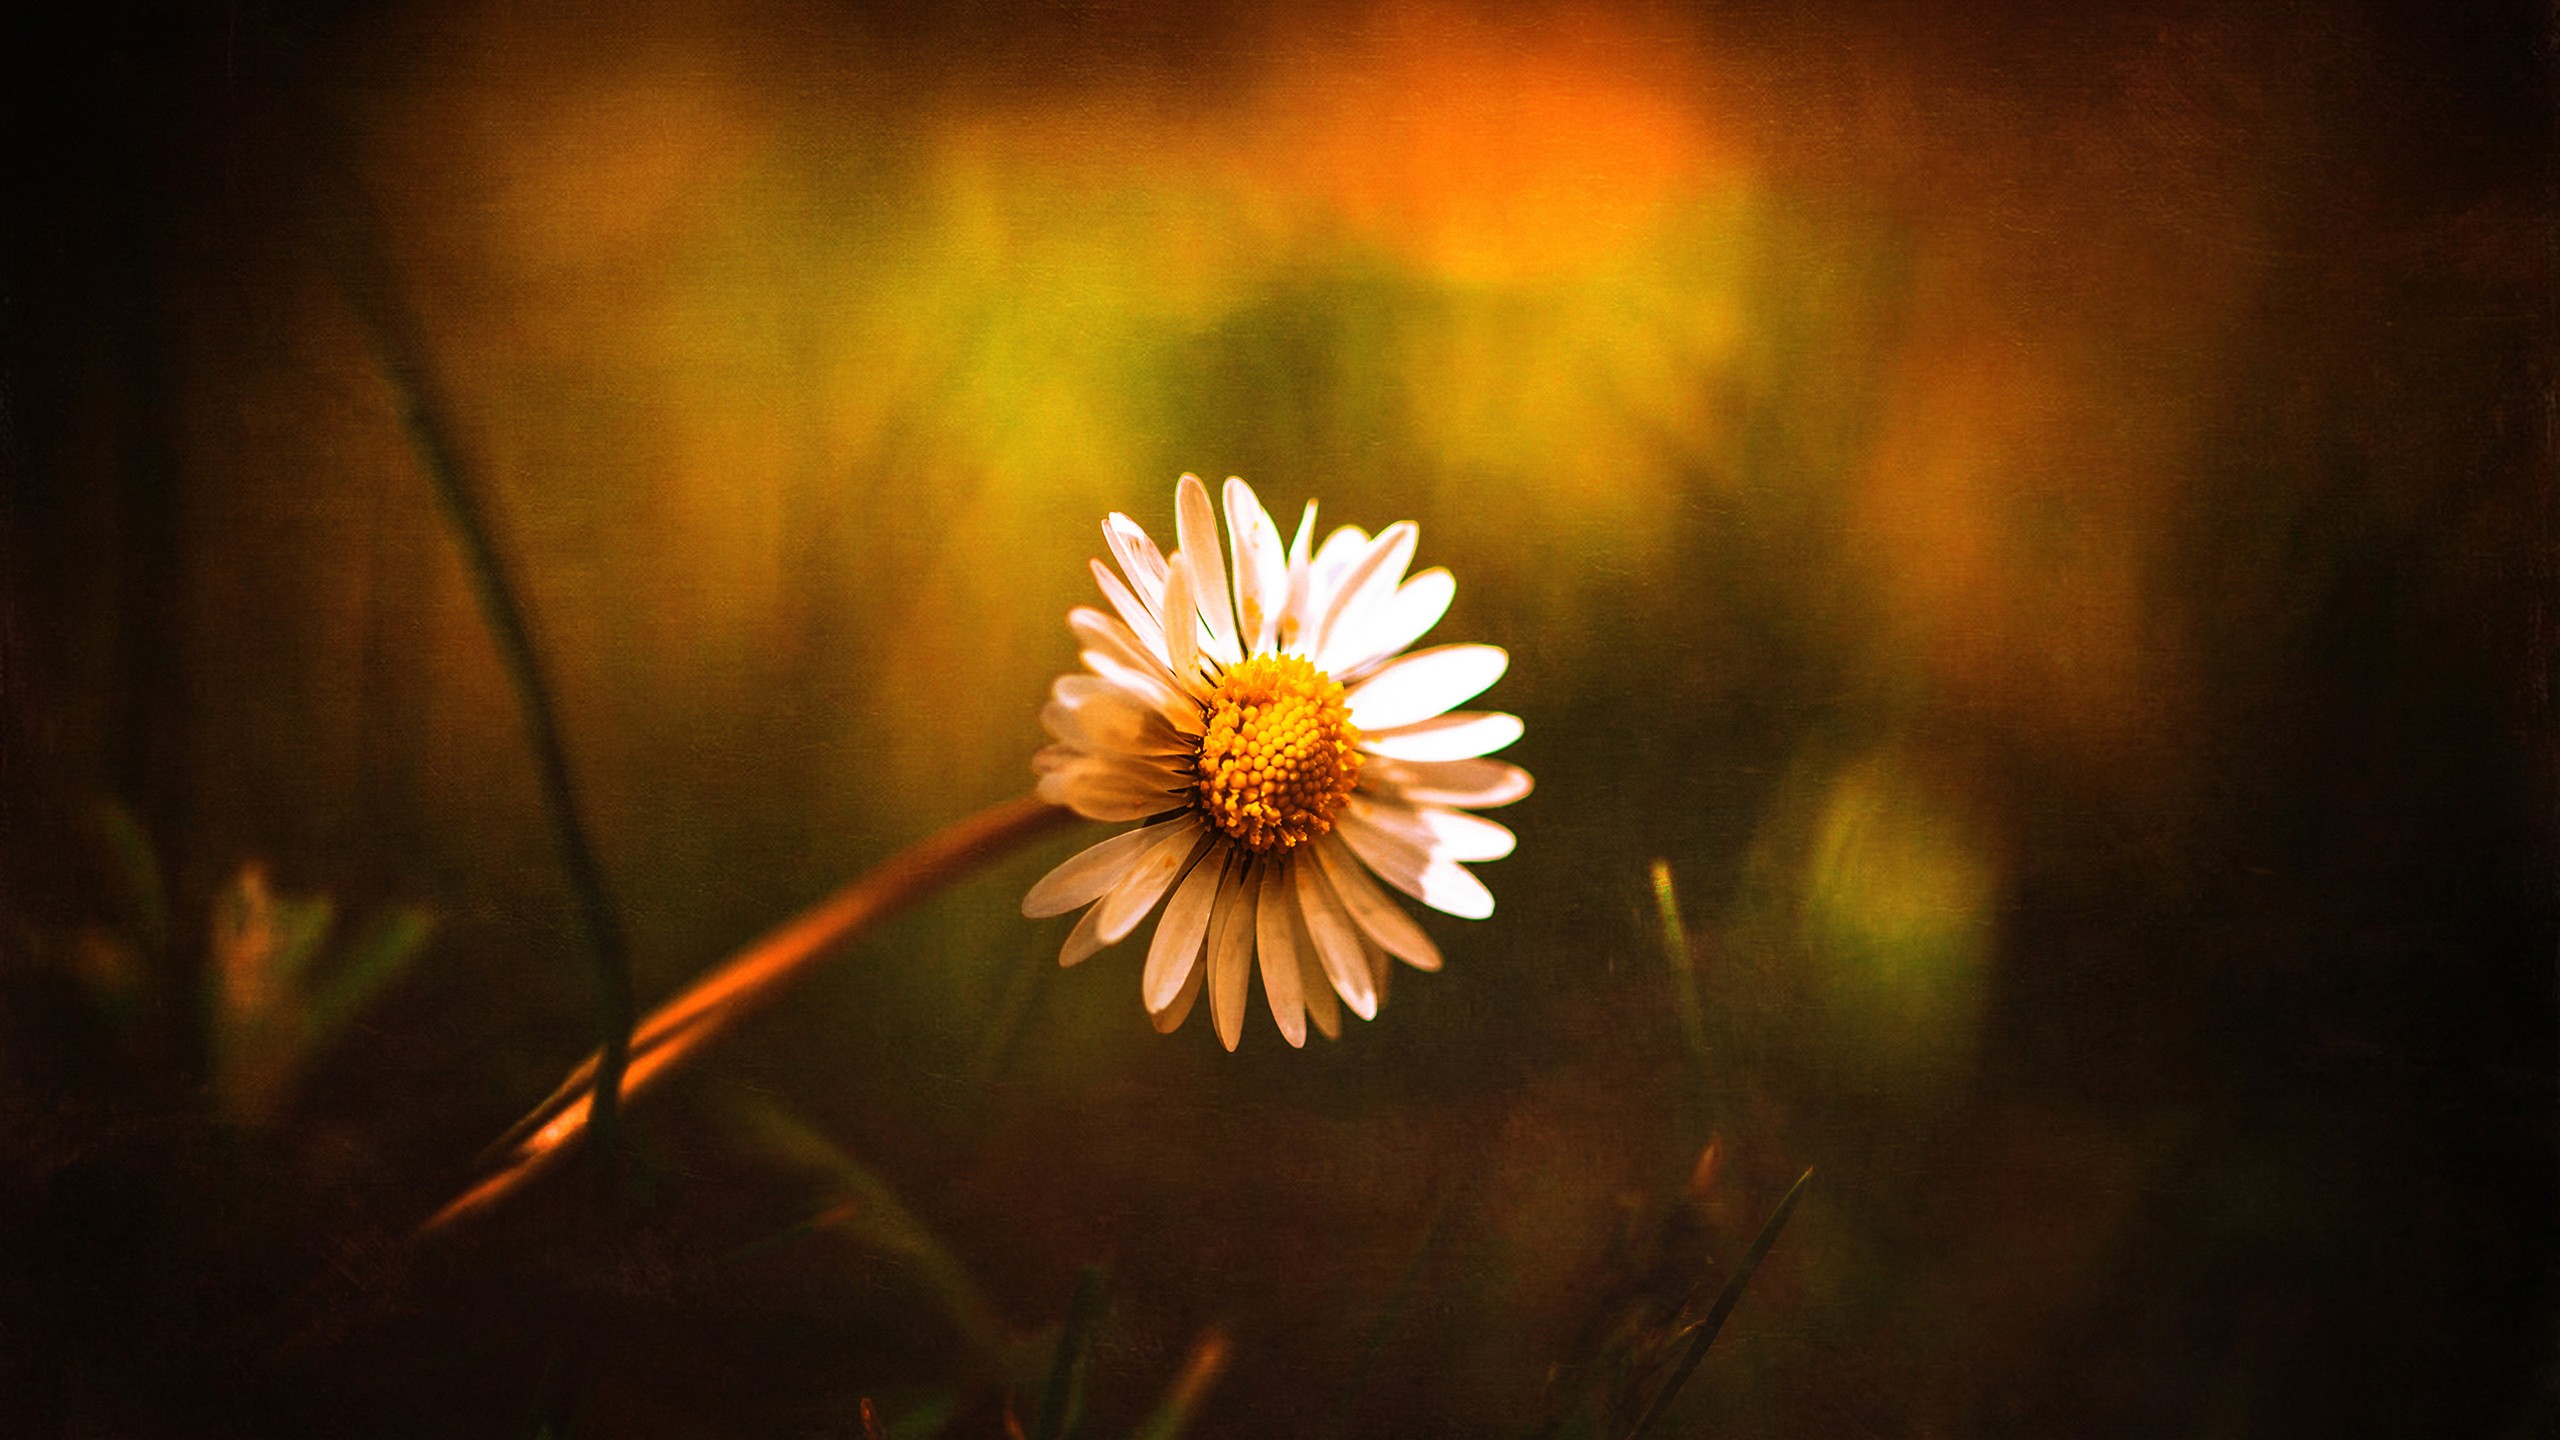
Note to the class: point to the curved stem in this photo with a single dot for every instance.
(750, 980)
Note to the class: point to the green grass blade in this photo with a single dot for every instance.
(1075, 1343)
(372, 287)
(874, 1216)
(1705, 1334)
(1207, 1362)
(377, 958)
(1389, 1315)
(1684, 974)
(138, 869)
(301, 928)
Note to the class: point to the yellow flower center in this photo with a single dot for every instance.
(1280, 755)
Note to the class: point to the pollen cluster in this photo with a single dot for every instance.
(1280, 754)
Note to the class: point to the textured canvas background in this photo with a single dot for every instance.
(2041, 520)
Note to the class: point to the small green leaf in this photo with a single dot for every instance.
(138, 869)
(875, 1216)
(380, 954)
(925, 1419)
(302, 927)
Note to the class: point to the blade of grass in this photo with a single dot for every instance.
(872, 1211)
(1389, 1313)
(1208, 1360)
(1684, 975)
(924, 1419)
(373, 290)
(1705, 1333)
(1065, 1397)
(138, 870)
(385, 948)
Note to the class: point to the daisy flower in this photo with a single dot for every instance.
(1285, 751)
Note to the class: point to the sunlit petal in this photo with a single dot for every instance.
(1337, 943)
(1231, 935)
(1147, 880)
(1323, 1007)
(1368, 584)
(1139, 559)
(1475, 784)
(1440, 884)
(1082, 877)
(1181, 933)
(1461, 735)
(1417, 687)
(1111, 787)
(1274, 926)
(1384, 633)
(1141, 618)
(1196, 532)
(1170, 1018)
(1378, 917)
(1262, 567)
(1446, 834)
(1182, 641)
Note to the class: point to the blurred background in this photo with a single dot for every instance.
(2026, 532)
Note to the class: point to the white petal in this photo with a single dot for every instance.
(1262, 567)
(1196, 528)
(1293, 611)
(1083, 940)
(1230, 954)
(1460, 735)
(1378, 917)
(1075, 691)
(1446, 834)
(1386, 630)
(1369, 584)
(1142, 618)
(1108, 635)
(1476, 784)
(1300, 552)
(1272, 927)
(1148, 878)
(1179, 935)
(1150, 685)
(1337, 943)
(1082, 878)
(1139, 559)
(1182, 640)
(1424, 684)
(1100, 716)
(1170, 1018)
(1109, 787)
(1380, 967)
(1439, 884)
(1323, 1007)
(1341, 550)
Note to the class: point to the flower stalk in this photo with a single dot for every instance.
(748, 982)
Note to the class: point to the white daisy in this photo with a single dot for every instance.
(1281, 746)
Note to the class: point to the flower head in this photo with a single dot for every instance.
(1285, 752)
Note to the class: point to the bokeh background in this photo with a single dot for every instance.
(2037, 519)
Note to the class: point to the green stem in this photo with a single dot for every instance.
(374, 291)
